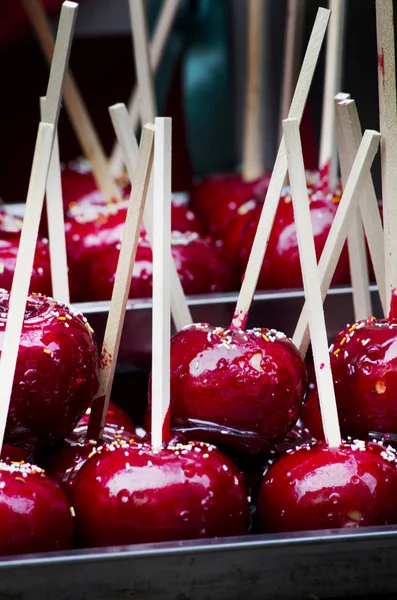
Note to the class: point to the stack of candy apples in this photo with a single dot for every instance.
(224, 401)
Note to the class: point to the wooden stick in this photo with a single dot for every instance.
(179, 307)
(340, 228)
(121, 288)
(122, 125)
(56, 225)
(311, 282)
(253, 162)
(332, 84)
(75, 106)
(292, 50)
(388, 146)
(370, 214)
(161, 330)
(23, 267)
(279, 173)
(156, 49)
(355, 239)
(34, 207)
(147, 97)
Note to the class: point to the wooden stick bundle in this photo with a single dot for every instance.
(34, 206)
(159, 40)
(307, 253)
(270, 205)
(118, 303)
(339, 229)
(75, 106)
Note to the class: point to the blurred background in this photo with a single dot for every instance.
(200, 81)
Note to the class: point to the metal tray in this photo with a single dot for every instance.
(307, 566)
(279, 310)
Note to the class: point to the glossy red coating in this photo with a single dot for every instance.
(55, 378)
(364, 366)
(238, 388)
(281, 266)
(216, 198)
(35, 514)
(131, 494)
(10, 233)
(317, 487)
(87, 232)
(202, 268)
(77, 181)
(116, 417)
(64, 460)
(311, 415)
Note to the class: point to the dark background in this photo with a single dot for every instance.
(103, 67)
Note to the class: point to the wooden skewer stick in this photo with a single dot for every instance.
(161, 330)
(179, 307)
(121, 288)
(332, 85)
(388, 146)
(147, 98)
(122, 127)
(279, 173)
(253, 163)
(159, 40)
(75, 106)
(339, 228)
(292, 50)
(311, 282)
(56, 225)
(355, 239)
(370, 214)
(34, 207)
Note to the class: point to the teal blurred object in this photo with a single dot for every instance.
(207, 90)
(201, 32)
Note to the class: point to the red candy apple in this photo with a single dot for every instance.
(364, 367)
(235, 388)
(129, 493)
(115, 418)
(216, 198)
(35, 514)
(55, 378)
(281, 266)
(10, 233)
(202, 268)
(63, 461)
(316, 487)
(311, 415)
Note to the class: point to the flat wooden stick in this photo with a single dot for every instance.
(56, 225)
(355, 239)
(122, 125)
(292, 50)
(253, 162)
(370, 214)
(179, 307)
(121, 288)
(311, 282)
(332, 84)
(388, 146)
(340, 228)
(75, 106)
(144, 73)
(34, 206)
(160, 36)
(23, 267)
(279, 173)
(161, 330)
